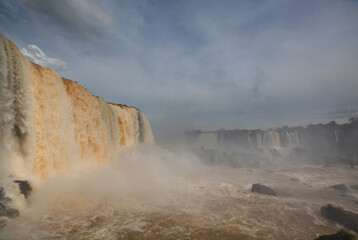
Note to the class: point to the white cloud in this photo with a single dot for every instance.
(35, 54)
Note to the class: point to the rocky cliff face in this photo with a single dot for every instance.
(48, 123)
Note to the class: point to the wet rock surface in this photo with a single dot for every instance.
(3, 199)
(9, 212)
(350, 197)
(5, 210)
(262, 189)
(2, 223)
(25, 187)
(340, 187)
(341, 216)
(294, 179)
(340, 235)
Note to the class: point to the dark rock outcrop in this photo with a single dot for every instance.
(9, 212)
(341, 216)
(257, 187)
(340, 187)
(3, 198)
(2, 193)
(354, 187)
(25, 187)
(5, 210)
(2, 223)
(294, 179)
(340, 235)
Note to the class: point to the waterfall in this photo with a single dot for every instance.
(259, 139)
(291, 139)
(249, 138)
(336, 136)
(208, 140)
(271, 139)
(49, 123)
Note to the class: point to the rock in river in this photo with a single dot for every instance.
(339, 215)
(257, 187)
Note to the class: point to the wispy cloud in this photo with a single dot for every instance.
(80, 19)
(35, 54)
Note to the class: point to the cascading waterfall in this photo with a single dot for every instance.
(336, 136)
(259, 139)
(271, 139)
(208, 140)
(291, 139)
(249, 138)
(48, 123)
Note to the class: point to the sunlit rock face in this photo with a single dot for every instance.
(48, 123)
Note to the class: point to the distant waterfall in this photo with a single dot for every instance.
(247, 139)
(208, 140)
(271, 139)
(291, 139)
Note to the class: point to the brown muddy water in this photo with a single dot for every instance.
(161, 202)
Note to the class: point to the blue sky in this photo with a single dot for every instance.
(200, 64)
